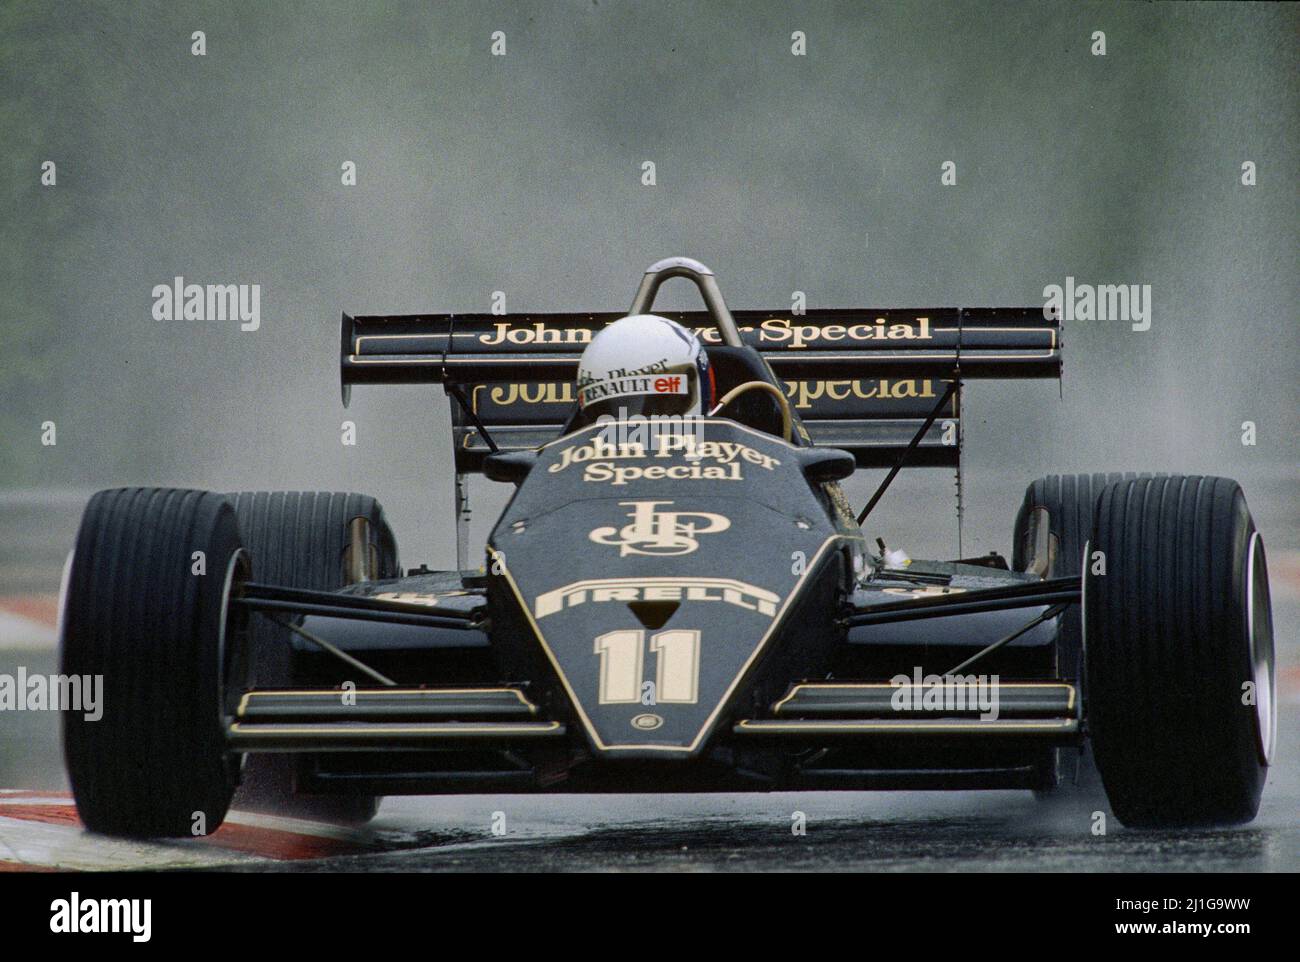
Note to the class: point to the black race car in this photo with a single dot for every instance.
(674, 605)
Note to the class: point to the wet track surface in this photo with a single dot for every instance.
(995, 831)
(894, 831)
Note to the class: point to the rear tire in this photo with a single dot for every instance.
(1178, 630)
(137, 613)
(299, 539)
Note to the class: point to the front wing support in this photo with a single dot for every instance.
(1032, 594)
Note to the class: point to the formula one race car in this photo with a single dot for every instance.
(671, 606)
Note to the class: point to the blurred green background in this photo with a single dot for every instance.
(521, 173)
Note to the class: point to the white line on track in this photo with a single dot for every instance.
(69, 847)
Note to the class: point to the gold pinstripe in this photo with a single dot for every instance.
(761, 725)
(357, 357)
(326, 731)
(855, 686)
(336, 693)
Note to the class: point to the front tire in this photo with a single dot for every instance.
(145, 610)
(299, 539)
(1179, 653)
(1055, 519)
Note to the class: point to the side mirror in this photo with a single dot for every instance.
(826, 464)
(511, 466)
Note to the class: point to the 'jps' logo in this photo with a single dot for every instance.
(659, 532)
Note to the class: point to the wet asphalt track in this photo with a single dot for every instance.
(896, 831)
(991, 831)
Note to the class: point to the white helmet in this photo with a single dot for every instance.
(644, 365)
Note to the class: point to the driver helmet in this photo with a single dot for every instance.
(644, 365)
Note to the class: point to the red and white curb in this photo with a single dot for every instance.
(41, 832)
(29, 622)
(1284, 575)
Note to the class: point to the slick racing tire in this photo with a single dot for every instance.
(299, 539)
(1064, 504)
(144, 608)
(1179, 651)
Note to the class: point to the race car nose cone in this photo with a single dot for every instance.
(674, 585)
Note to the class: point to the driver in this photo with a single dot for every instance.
(642, 366)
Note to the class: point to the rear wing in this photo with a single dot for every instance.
(862, 380)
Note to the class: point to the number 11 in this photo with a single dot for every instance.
(622, 665)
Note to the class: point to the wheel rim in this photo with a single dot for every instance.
(1259, 638)
(236, 573)
(65, 580)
